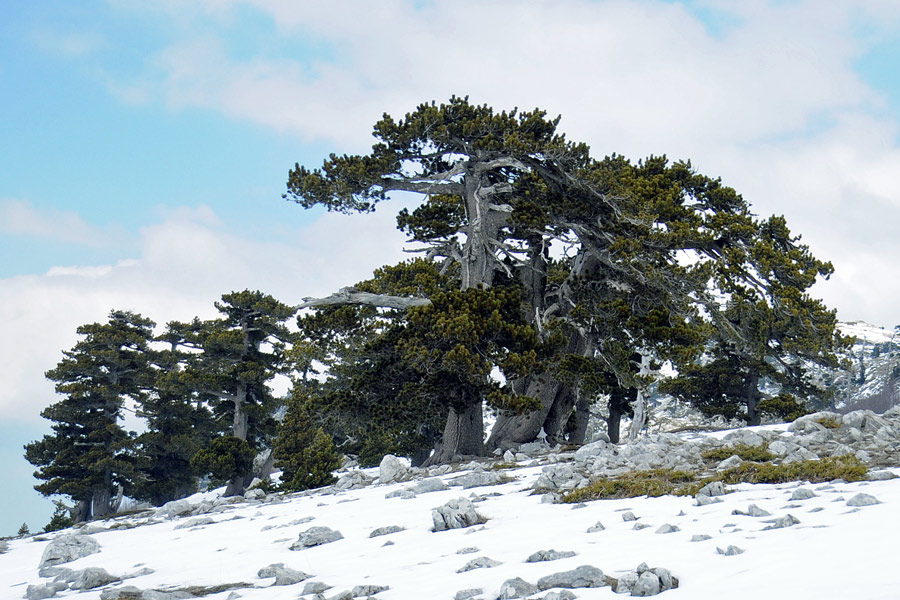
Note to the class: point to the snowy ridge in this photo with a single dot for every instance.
(816, 545)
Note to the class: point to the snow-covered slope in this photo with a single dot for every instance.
(835, 551)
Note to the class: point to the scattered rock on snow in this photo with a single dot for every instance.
(802, 493)
(730, 551)
(782, 522)
(283, 575)
(316, 536)
(196, 522)
(392, 469)
(67, 548)
(598, 526)
(517, 588)
(315, 587)
(547, 555)
(700, 537)
(668, 528)
(467, 594)
(752, 511)
(480, 479)
(714, 488)
(584, 576)
(41, 591)
(863, 500)
(482, 562)
(455, 514)
(367, 590)
(92, 577)
(628, 516)
(560, 595)
(385, 530)
(432, 484)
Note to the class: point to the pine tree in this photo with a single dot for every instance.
(305, 454)
(87, 457)
(23, 530)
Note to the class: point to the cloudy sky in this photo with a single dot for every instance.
(144, 146)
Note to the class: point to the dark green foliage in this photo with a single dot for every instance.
(305, 454)
(61, 518)
(783, 406)
(88, 453)
(743, 451)
(23, 530)
(225, 458)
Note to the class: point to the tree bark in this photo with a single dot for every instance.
(582, 419)
(614, 423)
(100, 505)
(463, 436)
(640, 403)
(752, 398)
(558, 415)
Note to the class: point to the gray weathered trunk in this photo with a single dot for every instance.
(753, 397)
(463, 436)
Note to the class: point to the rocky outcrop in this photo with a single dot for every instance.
(67, 548)
(283, 575)
(455, 514)
(316, 536)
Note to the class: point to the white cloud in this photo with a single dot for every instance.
(186, 262)
(18, 217)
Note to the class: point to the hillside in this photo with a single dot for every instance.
(803, 540)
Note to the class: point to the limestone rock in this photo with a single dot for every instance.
(67, 548)
(647, 585)
(584, 576)
(626, 583)
(175, 508)
(92, 577)
(560, 595)
(352, 481)
(560, 477)
(863, 500)
(782, 522)
(729, 463)
(598, 526)
(628, 516)
(316, 536)
(482, 562)
(700, 537)
(516, 588)
(730, 551)
(668, 528)
(455, 514)
(547, 555)
(432, 484)
(196, 522)
(41, 591)
(283, 575)
(127, 592)
(704, 500)
(712, 489)
(392, 469)
(467, 594)
(479, 479)
(802, 494)
(367, 590)
(386, 530)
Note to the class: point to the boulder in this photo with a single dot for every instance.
(352, 481)
(432, 484)
(516, 588)
(584, 576)
(196, 522)
(729, 463)
(863, 500)
(712, 489)
(782, 522)
(67, 548)
(367, 590)
(173, 509)
(482, 562)
(560, 595)
(700, 537)
(598, 526)
(392, 469)
(668, 528)
(667, 581)
(730, 551)
(385, 530)
(625, 583)
(802, 494)
(283, 575)
(467, 594)
(93, 577)
(455, 514)
(316, 536)
(41, 591)
(628, 516)
(315, 587)
(560, 477)
(547, 555)
(480, 479)
(647, 585)
(127, 592)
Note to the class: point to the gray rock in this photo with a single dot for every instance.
(730, 551)
(316, 536)
(367, 590)
(283, 575)
(175, 508)
(467, 550)
(254, 494)
(584, 576)
(626, 583)
(700, 537)
(60, 573)
(639, 526)
(432, 484)
(455, 514)
(392, 469)
(668, 528)
(314, 587)
(353, 481)
(345, 595)
(782, 522)
(802, 494)
(67, 548)
(547, 555)
(863, 500)
(158, 595)
(195, 522)
(469, 593)
(516, 588)
(40, 591)
(598, 526)
(386, 530)
(482, 562)
(752, 511)
(404, 494)
(479, 479)
(667, 581)
(560, 595)
(628, 516)
(881, 476)
(729, 463)
(711, 489)
(647, 585)
(92, 577)
(704, 500)
(127, 592)
(559, 477)
(509, 456)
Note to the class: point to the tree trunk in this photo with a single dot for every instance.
(463, 436)
(512, 429)
(640, 403)
(558, 415)
(752, 397)
(614, 423)
(235, 487)
(100, 505)
(582, 419)
(240, 426)
(81, 512)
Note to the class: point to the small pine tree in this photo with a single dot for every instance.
(23, 530)
(61, 518)
(225, 458)
(306, 456)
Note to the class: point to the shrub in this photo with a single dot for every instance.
(655, 482)
(225, 458)
(745, 452)
(61, 518)
(829, 422)
(784, 406)
(848, 468)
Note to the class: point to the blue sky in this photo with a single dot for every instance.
(145, 146)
